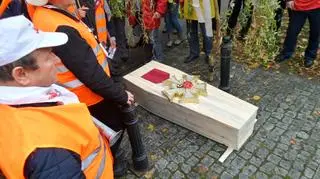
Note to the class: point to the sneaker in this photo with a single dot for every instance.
(169, 43)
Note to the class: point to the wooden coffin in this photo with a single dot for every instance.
(219, 116)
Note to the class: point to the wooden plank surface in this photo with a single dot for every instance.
(219, 116)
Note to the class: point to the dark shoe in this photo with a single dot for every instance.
(280, 58)
(308, 63)
(207, 59)
(120, 166)
(190, 59)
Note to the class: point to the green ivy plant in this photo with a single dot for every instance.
(261, 43)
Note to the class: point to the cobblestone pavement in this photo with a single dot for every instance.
(285, 142)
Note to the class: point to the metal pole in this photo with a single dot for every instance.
(226, 49)
(139, 155)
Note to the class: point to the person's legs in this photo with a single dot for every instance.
(169, 25)
(244, 30)
(207, 41)
(193, 39)
(233, 18)
(175, 21)
(311, 51)
(297, 20)
(279, 13)
(121, 37)
(156, 45)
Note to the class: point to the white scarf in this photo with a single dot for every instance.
(28, 95)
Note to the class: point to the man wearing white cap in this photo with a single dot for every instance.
(45, 132)
(84, 68)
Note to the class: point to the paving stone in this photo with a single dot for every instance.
(313, 165)
(256, 161)
(251, 146)
(291, 114)
(178, 175)
(276, 177)
(192, 161)
(249, 170)
(161, 164)
(261, 175)
(302, 135)
(279, 152)
(277, 115)
(186, 154)
(274, 158)
(172, 166)
(193, 175)
(269, 144)
(226, 175)
(238, 162)
(309, 173)
(282, 125)
(233, 171)
(214, 154)
(267, 167)
(164, 174)
(217, 168)
(280, 171)
(317, 175)
(285, 164)
(298, 165)
(291, 155)
(268, 126)
(282, 146)
(245, 154)
(178, 159)
(243, 176)
(207, 161)
(287, 120)
(262, 153)
(185, 168)
(294, 173)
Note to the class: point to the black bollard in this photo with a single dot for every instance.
(139, 155)
(226, 49)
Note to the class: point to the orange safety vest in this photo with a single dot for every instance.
(101, 22)
(3, 6)
(23, 130)
(30, 9)
(65, 77)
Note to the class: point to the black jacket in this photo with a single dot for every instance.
(79, 58)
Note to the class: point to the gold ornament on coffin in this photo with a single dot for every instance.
(184, 90)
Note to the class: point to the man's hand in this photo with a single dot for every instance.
(130, 100)
(156, 15)
(83, 11)
(290, 5)
(113, 42)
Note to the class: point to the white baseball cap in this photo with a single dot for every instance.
(18, 38)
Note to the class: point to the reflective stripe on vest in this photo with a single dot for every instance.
(100, 16)
(75, 83)
(101, 29)
(89, 160)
